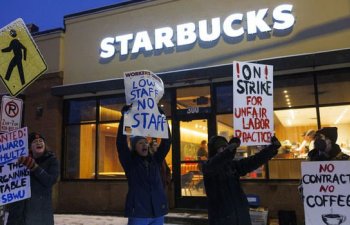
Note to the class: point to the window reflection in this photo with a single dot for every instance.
(108, 161)
(80, 152)
(333, 86)
(110, 108)
(296, 91)
(81, 111)
(224, 99)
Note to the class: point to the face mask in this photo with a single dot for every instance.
(320, 145)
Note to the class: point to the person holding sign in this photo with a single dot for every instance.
(227, 203)
(44, 171)
(146, 201)
(325, 147)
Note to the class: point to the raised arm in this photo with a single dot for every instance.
(124, 152)
(253, 162)
(165, 144)
(220, 159)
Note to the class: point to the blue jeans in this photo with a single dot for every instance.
(146, 221)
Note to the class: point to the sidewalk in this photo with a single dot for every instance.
(170, 219)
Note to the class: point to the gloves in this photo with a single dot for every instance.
(275, 143)
(233, 144)
(161, 110)
(235, 140)
(27, 161)
(125, 108)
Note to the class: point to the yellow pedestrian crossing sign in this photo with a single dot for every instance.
(21, 62)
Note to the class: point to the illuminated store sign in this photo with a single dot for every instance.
(232, 27)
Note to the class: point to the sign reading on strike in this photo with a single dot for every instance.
(143, 90)
(14, 178)
(21, 62)
(11, 113)
(326, 190)
(253, 103)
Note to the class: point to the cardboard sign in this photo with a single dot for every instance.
(143, 90)
(11, 114)
(14, 178)
(253, 103)
(21, 62)
(326, 190)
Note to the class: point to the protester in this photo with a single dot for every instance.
(227, 203)
(325, 149)
(164, 169)
(146, 202)
(44, 171)
(325, 146)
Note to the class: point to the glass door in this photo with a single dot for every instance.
(193, 152)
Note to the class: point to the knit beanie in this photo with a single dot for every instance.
(215, 143)
(134, 140)
(329, 132)
(34, 135)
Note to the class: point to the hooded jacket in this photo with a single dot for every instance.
(335, 153)
(227, 202)
(146, 196)
(37, 210)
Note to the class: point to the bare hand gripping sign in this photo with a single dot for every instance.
(14, 177)
(326, 190)
(253, 103)
(143, 90)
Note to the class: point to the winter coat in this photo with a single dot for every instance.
(227, 203)
(37, 210)
(146, 196)
(334, 154)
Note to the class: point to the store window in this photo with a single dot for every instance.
(80, 111)
(334, 87)
(338, 116)
(294, 91)
(90, 140)
(224, 99)
(79, 157)
(295, 120)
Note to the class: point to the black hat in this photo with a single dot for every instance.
(34, 135)
(329, 132)
(216, 142)
(134, 140)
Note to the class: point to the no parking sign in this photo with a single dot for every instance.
(11, 114)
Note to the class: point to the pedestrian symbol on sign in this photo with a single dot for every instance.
(21, 61)
(16, 47)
